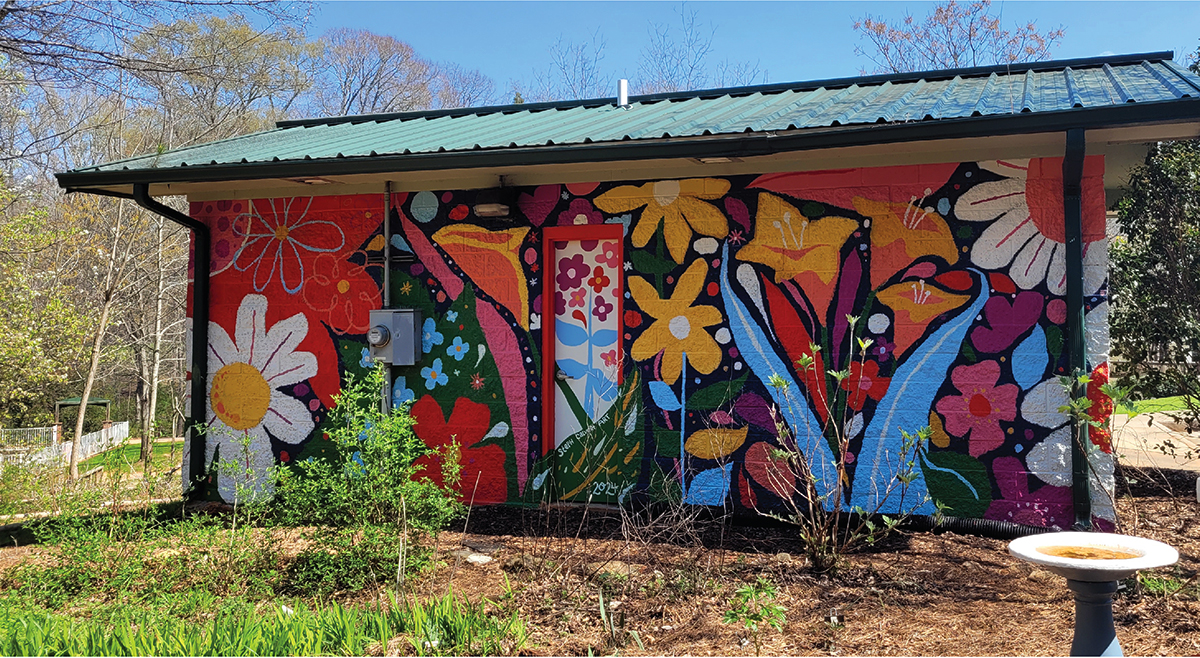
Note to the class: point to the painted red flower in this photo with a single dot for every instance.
(599, 280)
(483, 478)
(864, 382)
(342, 294)
(980, 406)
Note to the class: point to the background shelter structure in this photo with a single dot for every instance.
(607, 288)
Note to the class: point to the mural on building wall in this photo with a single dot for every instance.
(955, 273)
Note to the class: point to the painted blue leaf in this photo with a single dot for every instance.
(399, 243)
(710, 487)
(573, 368)
(664, 397)
(569, 334)
(1030, 359)
(604, 338)
(906, 407)
(764, 362)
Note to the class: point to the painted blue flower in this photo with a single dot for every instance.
(366, 361)
(434, 375)
(451, 316)
(401, 393)
(458, 349)
(430, 336)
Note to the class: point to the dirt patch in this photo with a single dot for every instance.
(914, 594)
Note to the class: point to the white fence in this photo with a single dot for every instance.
(89, 445)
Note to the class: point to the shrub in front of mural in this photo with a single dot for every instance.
(813, 483)
(370, 499)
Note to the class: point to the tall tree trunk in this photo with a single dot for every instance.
(97, 346)
(149, 433)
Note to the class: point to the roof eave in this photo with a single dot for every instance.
(741, 145)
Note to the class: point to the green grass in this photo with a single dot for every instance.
(1173, 403)
(128, 455)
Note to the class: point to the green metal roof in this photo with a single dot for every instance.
(1043, 95)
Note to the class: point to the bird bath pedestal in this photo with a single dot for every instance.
(1092, 563)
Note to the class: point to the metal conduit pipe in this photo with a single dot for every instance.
(1081, 496)
(199, 366)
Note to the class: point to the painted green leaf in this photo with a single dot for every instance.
(959, 482)
(667, 442)
(646, 262)
(1054, 341)
(714, 395)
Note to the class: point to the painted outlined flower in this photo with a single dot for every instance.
(401, 393)
(601, 308)
(342, 293)
(279, 238)
(1028, 234)
(980, 406)
(434, 375)
(247, 406)
(571, 272)
(677, 204)
(430, 336)
(678, 326)
(599, 280)
(458, 349)
(864, 382)
(468, 425)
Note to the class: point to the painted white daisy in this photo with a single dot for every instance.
(245, 404)
(1028, 235)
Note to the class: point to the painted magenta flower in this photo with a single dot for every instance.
(246, 399)
(1027, 234)
(430, 336)
(458, 349)
(599, 280)
(678, 326)
(602, 308)
(273, 242)
(578, 213)
(342, 293)
(435, 375)
(979, 407)
(864, 382)
(571, 272)
(681, 207)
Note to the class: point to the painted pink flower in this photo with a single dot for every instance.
(602, 308)
(609, 358)
(578, 298)
(580, 212)
(611, 256)
(979, 407)
(571, 272)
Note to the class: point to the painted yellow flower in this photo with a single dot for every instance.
(791, 244)
(796, 247)
(915, 304)
(677, 204)
(902, 233)
(678, 326)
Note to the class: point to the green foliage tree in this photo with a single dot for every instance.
(1155, 276)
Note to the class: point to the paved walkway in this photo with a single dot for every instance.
(1138, 440)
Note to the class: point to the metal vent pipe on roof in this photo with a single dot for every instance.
(622, 93)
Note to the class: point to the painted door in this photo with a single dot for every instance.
(583, 338)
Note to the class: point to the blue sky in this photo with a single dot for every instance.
(790, 41)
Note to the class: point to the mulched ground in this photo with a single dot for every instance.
(917, 593)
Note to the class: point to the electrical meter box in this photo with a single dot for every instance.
(395, 336)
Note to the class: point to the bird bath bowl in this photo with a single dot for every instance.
(1092, 563)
